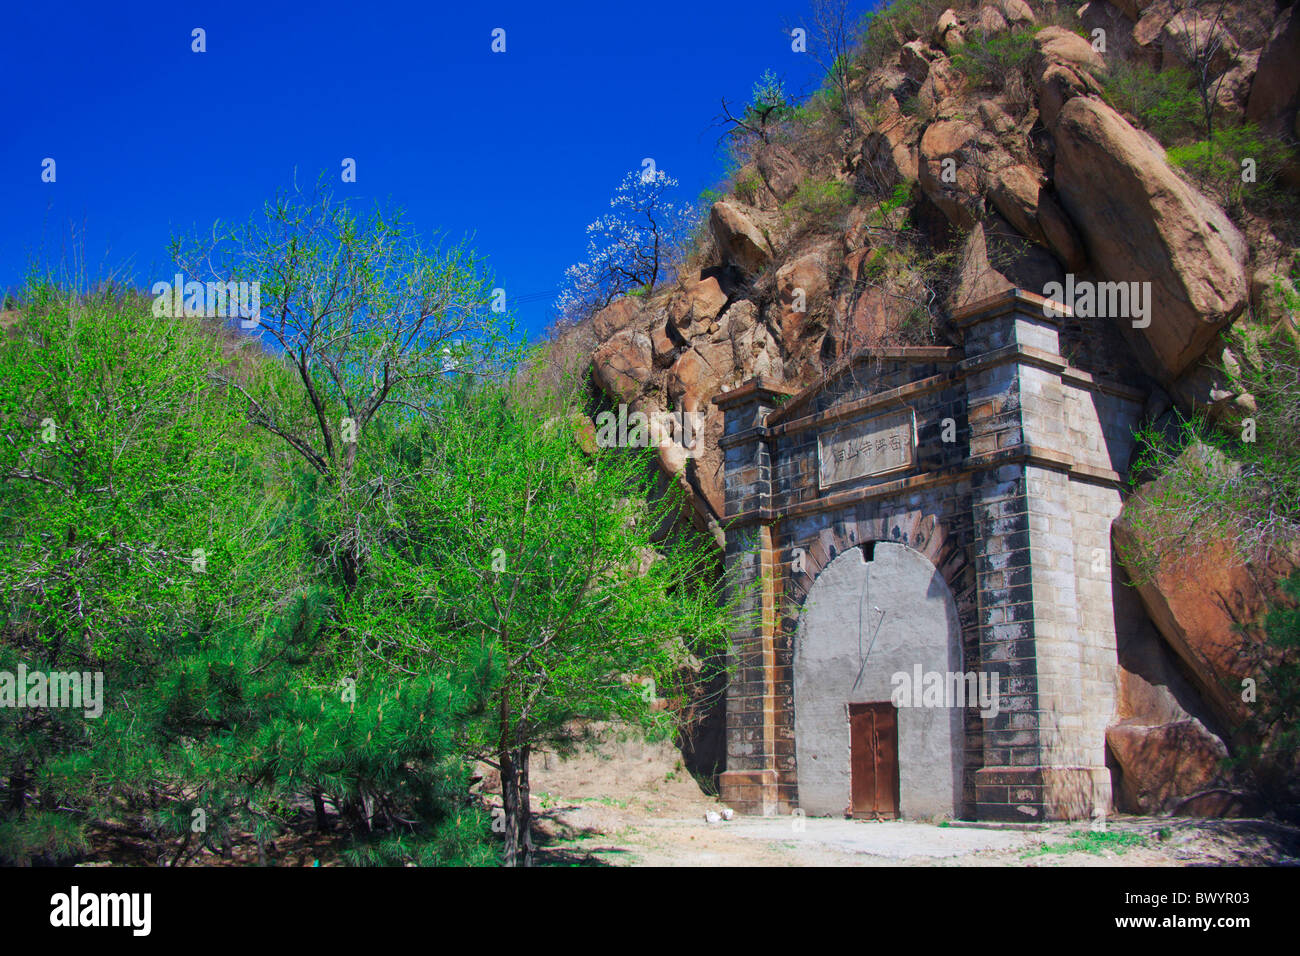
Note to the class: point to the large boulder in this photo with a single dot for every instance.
(616, 316)
(699, 301)
(1169, 749)
(1065, 68)
(1016, 11)
(996, 258)
(1142, 223)
(947, 32)
(1175, 767)
(939, 94)
(1059, 45)
(1017, 192)
(1199, 598)
(1275, 93)
(624, 365)
(889, 148)
(951, 158)
(990, 21)
(781, 171)
(739, 240)
(1189, 35)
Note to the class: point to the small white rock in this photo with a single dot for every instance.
(728, 813)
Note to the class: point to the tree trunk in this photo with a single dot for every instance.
(518, 807)
(322, 818)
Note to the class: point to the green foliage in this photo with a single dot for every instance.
(819, 200)
(746, 187)
(528, 559)
(123, 452)
(1089, 841)
(989, 61)
(1276, 713)
(891, 25)
(887, 213)
(1239, 165)
(1239, 485)
(768, 103)
(1165, 102)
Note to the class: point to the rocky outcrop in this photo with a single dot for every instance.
(616, 317)
(1021, 197)
(951, 156)
(1275, 93)
(780, 170)
(697, 304)
(1142, 223)
(1176, 767)
(624, 364)
(740, 241)
(1017, 188)
(1200, 599)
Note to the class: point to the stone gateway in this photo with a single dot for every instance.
(936, 518)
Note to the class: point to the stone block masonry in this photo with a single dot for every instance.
(1013, 484)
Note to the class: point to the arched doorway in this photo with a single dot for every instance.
(877, 611)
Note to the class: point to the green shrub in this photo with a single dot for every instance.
(819, 199)
(990, 61)
(1163, 101)
(747, 186)
(890, 27)
(1237, 164)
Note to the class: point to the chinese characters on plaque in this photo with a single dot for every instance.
(864, 449)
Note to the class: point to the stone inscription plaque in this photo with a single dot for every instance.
(864, 449)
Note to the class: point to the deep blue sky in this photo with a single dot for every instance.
(521, 149)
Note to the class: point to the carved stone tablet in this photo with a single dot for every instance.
(864, 449)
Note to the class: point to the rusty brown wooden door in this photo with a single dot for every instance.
(873, 743)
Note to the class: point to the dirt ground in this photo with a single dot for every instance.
(632, 803)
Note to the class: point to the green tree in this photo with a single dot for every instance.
(367, 319)
(533, 563)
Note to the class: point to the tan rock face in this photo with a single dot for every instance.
(700, 301)
(1018, 193)
(1275, 93)
(615, 317)
(1170, 768)
(949, 170)
(995, 258)
(914, 60)
(890, 147)
(995, 118)
(1016, 11)
(1059, 45)
(947, 32)
(810, 273)
(941, 85)
(623, 365)
(1188, 35)
(1140, 222)
(663, 344)
(1198, 600)
(741, 243)
(781, 171)
(990, 21)
(1057, 84)
(1014, 192)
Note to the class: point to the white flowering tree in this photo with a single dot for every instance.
(628, 248)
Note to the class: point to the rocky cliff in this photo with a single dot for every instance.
(1000, 146)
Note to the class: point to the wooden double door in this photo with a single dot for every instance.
(873, 745)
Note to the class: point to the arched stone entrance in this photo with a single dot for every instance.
(1002, 465)
(874, 612)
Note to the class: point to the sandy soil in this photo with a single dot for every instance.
(631, 803)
